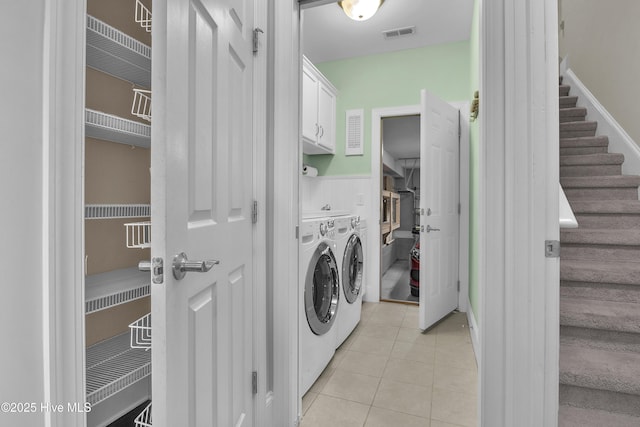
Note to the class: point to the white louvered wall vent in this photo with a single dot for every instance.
(355, 134)
(399, 32)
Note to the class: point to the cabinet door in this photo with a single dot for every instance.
(326, 118)
(310, 129)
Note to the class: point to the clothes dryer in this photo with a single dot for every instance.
(351, 261)
(319, 298)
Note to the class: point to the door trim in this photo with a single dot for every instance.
(518, 168)
(377, 114)
(63, 203)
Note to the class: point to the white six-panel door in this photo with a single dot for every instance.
(201, 176)
(439, 217)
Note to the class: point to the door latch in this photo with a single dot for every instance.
(156, 266)
(552, 248)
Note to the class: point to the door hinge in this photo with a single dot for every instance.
(254, 212)
(552, 248)
(254, 382)
(458, 285)
(297, 231)
(459, 126)
(255, 39)
(459, 208)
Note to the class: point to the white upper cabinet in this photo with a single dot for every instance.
(318, 111)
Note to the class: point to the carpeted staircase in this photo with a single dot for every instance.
(599, 279)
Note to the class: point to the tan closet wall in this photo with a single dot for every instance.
(119, 14)
(114, 321)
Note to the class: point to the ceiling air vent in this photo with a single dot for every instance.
(399, 32)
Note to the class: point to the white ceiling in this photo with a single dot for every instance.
(328, 34)
(401, 137)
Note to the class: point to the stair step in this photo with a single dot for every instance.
(568, 101)
(624, 273)
(612, 207)
(592, 159)
(603, 400)
(601, 315)
(596, 236)
(580, 194)
(584, 145)
(572, 114)
(615, 181)
(563, 90)
(596, 244)
(569, 416)
(600, 339)
(600, 369)
(600, 290)
(578, 129)
(591, 164)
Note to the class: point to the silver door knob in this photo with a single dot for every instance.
(182, 265)
(430, 229)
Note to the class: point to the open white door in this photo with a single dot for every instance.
(201, 177)
(439, 217)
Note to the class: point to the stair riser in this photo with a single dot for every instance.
(599, 339)
(564, 90)
(590, 170)
(568, 103)
(575, 151)
(600, 291)
(601, 252)
(624, 277)
(567, 119)
(608, 221)
(602, 323)
(577, 133)
(579, 194)
(599, 399)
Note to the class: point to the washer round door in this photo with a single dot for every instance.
(321, 290)
(352, 269)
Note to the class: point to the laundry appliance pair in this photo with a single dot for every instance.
(331, 280)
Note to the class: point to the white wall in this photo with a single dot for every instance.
(602, 41)
(348, 193)
(21, 246)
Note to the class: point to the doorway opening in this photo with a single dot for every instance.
(400, 209)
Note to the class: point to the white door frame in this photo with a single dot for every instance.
(519, 287)
(377, 114)
(63, 232)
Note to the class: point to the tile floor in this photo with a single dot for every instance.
(389, 374)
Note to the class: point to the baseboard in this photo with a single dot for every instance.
(474, 331)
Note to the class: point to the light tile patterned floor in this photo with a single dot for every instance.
(389, 374)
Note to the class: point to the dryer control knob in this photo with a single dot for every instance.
(323, 228)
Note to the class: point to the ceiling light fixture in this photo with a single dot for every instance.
(360, 10)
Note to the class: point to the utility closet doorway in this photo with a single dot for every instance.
(400, 209)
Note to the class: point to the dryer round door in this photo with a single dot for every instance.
(321, 290)
(352, 269)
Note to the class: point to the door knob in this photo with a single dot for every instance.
(182, 265)
(430, 229)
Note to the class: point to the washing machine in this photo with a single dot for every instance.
(351, 262)
(319, 298)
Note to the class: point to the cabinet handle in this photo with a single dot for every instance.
(317, 129)
(321, 131)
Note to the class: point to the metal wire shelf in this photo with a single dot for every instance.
(143, 16)
(138, 234)
(144, 418)
(116, 211)
(141, 106)
(141, 332)
(113, 365)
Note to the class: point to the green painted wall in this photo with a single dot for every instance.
(388, 80)
(474, 161)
